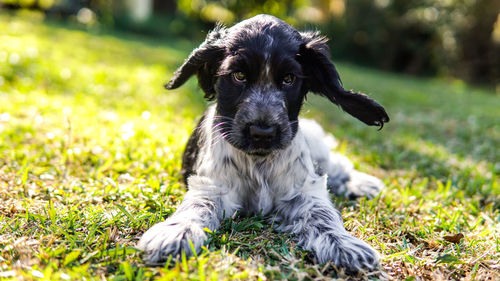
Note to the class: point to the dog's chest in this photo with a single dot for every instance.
(256, 188)
(260, 185)
(258, 200)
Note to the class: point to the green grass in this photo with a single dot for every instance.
(90, 149)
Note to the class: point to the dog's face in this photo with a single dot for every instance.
(259, 87)
(260, 71)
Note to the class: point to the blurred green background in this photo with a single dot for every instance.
(446, 38)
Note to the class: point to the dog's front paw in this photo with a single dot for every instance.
(361, 184)
(170, 238)
(347, 252)
(356, 185)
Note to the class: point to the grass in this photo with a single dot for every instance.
(90, 149)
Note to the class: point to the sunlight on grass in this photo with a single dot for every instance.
(91, 147)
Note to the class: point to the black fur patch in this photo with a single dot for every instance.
(191, 152)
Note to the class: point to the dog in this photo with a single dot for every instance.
(251, 153)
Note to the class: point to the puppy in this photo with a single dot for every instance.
(250, 153)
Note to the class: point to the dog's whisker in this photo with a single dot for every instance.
(224, 117)
(205, 120)
(219, 124)
(217, 132)
(218, 139)
(201, 124)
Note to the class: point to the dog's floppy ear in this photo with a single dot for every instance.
(322, 78)
(203, 61)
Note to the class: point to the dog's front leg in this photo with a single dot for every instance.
(202, 207)
(319, 228)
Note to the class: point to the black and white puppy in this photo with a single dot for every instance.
(250, 153)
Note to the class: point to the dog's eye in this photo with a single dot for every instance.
(288, 79)
(239, 76)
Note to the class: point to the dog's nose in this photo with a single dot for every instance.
(262, 133)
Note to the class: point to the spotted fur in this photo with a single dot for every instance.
(287, 175)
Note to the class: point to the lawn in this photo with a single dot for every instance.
(90, 156)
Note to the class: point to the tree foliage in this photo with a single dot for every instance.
(447, 37)
(451, 37)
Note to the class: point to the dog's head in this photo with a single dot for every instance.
(260, 71)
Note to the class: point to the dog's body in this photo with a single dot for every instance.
(251, 154)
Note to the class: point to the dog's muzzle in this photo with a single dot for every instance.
(262, 123)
